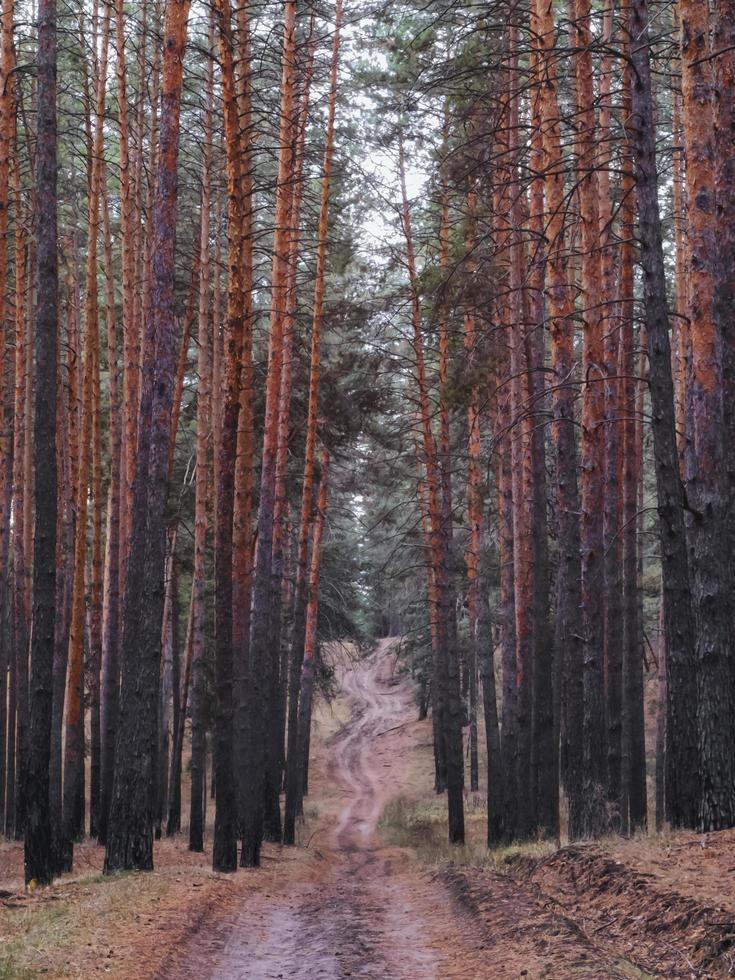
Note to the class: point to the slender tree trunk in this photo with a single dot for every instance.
(706, 471)
(448, 679)
(594, 820)
(437, 726)
(545, 747)
(131, 336)
(679, 333)
(224, 855)
(38, 857)
(21, 558)
(474, 507)
(110, 667)
(723, 43)
(64, 582)
(7, 135)
(633, 745)
(260, 659)
(307, 492)
(274, 775)
(495, 829)
(682, 757)
(310, 636)
(195, 641)
(74, 794)
(16, 612)
(560, 312)
(130, 839)
(612, 506)
(242, 533)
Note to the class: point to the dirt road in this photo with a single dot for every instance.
(365, 910)
(359, 919)
(365, 914)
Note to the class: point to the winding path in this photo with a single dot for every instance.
(364, 910)
(360, 919)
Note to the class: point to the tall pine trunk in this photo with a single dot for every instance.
(593, 434)
(307, 491)
(682, 783)
(130, 837)
(262, 662)
(38, 857)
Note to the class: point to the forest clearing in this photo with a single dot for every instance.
(367, 488)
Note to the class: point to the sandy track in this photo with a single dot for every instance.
(368, 912)
(359, 920)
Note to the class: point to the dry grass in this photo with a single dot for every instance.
(115, 926)
(421, 826)
(90, 925)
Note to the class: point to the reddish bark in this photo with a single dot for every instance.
(131, 335)
(593, 430)
(195, 634)
(307, 491)
(228, 606)
(260, 659)
(130, 842)
(274, 774)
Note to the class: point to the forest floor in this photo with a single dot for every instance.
(374, 892)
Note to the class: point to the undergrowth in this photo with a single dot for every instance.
(421, 825)
(11, 970)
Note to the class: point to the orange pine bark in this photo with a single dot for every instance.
(131, 333)
(7, 132)
(195, 641)
(229, 605)
(679, 332)
(474, 489)
(307, 491)
(593, 429)
(19, 555)
(272, 816)
(260, 654)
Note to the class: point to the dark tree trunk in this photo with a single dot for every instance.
(495, 831)
(306, 694)
(39, 859)
(11, 740)
(207, 337)
(509, 716)
(130, 837)
(545, 748)
(723, 41)
(633, 743)
(262, 664)
(4, 646)
(682, 759)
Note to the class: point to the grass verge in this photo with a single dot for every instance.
(421, 826)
